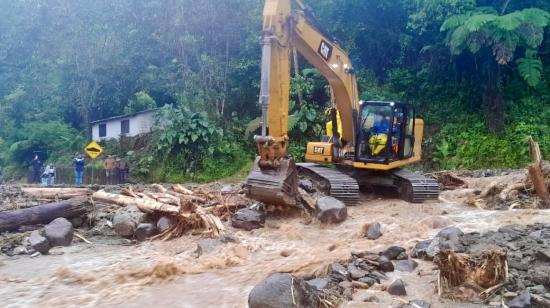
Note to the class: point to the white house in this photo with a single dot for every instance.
(129, 125)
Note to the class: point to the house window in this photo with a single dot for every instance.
(125, 127)
(102, 130)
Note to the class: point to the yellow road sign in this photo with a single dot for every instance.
(93, 150)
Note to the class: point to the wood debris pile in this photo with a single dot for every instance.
(473, 278)
(531, 192)
(198, 209)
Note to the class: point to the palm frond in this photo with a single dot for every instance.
(454, 22)
(476, 22)
(530, 70)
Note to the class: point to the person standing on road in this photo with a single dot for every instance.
(110, 167)
(78, 170)
(36, 164)
(123, 170)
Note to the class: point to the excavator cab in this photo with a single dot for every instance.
(385, 133)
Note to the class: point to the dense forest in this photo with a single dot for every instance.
(478, 72)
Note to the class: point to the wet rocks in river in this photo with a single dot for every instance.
(307, 185)
(373, 231)
(126, 220)
(248, 219)
(164, 223)
(208, 245)
(331, 210)
(393, 252)
(418, 304)
(385, 264)
(408, 265)
(543, 255)
(39, 242)
(420, 249)
(450, 233)
(397, 288)
(522, 301)
(145, 231)
(283, 290)
(338, 272)
(59, 232)
(319, 283)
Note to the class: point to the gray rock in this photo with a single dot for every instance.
(248, 219)
(385, 264)
(417, 303)
(406, 265)
(145, 231)
(543, 255)
(331, 210)
(450, 233)
(20, 250)
(338, 271)
(369, 280)
(59, 232)
(307, 185)
(357, 273)
(402, 256)
(283, 290)
(540, 275)
(374, 231)
(164, 223)
(319, 283)
(379, 276)
(420, 249)
(540, 289)
(208, 245)
(39, 243)
(397, 288)
(522, 301)
(126, 220)
(393, 252)
(76, 222)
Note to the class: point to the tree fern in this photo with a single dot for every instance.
(476, 22)
(530, 70)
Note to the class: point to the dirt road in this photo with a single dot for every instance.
(178, 274)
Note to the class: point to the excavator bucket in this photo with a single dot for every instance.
(274, 186)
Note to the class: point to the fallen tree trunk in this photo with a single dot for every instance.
(145, 205)
(56, 193)
(42, 214)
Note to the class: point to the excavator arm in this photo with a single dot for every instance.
(274, 178)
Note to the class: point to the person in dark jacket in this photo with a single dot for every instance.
(36, 164)
(78, 170)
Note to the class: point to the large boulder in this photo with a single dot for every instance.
(408, 265)
(450, 233)
(38, 242)
(59, 232)
(319, 283)
(282, 291)
(331, 210)
(248, 219)
(126, 220)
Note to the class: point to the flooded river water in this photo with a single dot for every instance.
(172, 274)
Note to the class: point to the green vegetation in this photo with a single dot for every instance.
(478, 72)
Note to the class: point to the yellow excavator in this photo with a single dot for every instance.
(367, 142)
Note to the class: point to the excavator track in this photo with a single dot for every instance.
(335, 183)
(414, 187)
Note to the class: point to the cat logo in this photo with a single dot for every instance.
(325, 50)
(318, 150)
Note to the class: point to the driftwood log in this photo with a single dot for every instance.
(42, 214)
(56, 193)
(145, 205)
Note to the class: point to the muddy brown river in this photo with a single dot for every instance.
(172, 274)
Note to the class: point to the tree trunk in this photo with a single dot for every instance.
(56, 193)
(493, 100)
(42, 214)
(145, 205)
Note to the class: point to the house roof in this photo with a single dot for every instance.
(123, 116)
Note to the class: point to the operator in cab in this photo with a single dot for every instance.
(379, 134)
